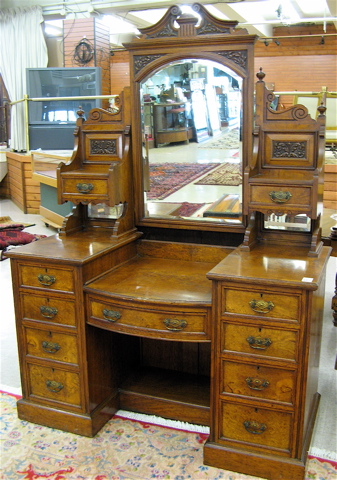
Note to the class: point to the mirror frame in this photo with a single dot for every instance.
(206, 39)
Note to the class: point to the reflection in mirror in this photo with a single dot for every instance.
(192, 150)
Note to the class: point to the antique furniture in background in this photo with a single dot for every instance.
(201, 321)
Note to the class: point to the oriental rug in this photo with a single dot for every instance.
(167, 178)
(228, 140)
(123, 450)
(226, 174)
(12, 235)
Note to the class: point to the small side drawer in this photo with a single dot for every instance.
(172, 323)
(86, 187)
(48, 277)
(54, 384)
(260, 304)
(52, 345)
(48, 309)
(258, 381)
(275, 197)
(262, 341)
(256, 426)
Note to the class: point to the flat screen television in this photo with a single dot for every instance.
(52, 122)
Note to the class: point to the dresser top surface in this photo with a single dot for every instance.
(157, 280)
(273, 264)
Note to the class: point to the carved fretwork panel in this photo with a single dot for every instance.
(141, 61)
(106, 148)
(289, 151)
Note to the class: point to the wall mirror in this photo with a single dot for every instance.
(191, 120)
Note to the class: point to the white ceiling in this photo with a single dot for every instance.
(258, 16)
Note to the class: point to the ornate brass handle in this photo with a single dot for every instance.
(54, 386)
(48, 312)
(254, 427)
(111, 315)
(50, 347)
(261, 306)
(46, 280)
(257, 383)
(280, 196)
(259, 343)
(174, 324)
(84, 187)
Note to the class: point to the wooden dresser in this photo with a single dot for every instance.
(210, 321)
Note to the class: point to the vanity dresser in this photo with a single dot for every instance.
(215, 320)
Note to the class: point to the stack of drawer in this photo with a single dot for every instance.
(258, 347)
(48, 336)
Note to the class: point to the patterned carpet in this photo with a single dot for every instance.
(123, 450)
(225, 174)
(228, 140)
(167, 178)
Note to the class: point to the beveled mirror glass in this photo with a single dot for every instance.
(191, 118)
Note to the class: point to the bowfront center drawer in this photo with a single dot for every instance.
(257, 304)
(51, 345)
(256, 427)
(168, 322)
(262, 341)
(48, 309)
(54, 384)
(273, 197)
(258, 381)
(47, 277)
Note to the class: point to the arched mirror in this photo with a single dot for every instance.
(191, 120)
(192, 90)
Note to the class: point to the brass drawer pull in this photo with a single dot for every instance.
(259, 343)
(254, 427)
(54, 386)
(280, 196)
(111, 315)
(174, 324)
(261, 306)
(46, 280)
(48, 312)
(50, 347)
(84, 187)
(256, 383)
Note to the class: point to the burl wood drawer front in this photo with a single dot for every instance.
(269, 342)
(257, 426)
(48, 309)
(52, 345)
(47, 277)
(258, 381)
(173, 322)
(54, 384)
(274, 196)
(261, 304)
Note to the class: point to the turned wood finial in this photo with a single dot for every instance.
(321, 109)
(260, 75)
(80, 112)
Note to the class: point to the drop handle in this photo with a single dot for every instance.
(259, 343)
(50, 347)
(46, 280)
(111, 315)
(261, 306)
(254, 427)
(175, 324)
(53, 386)
(48, 312)
(84, 187)
(280, 196)
(257, 383)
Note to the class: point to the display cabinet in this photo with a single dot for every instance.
(170, 123)
(197, 320)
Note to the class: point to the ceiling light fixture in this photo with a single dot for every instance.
(277, 42)
(266, 43)
(322, 42)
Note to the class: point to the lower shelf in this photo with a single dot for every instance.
(169, 394)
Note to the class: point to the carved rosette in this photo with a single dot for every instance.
(103, 147)
(237, 56)
(289, 149)
(141, 61)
